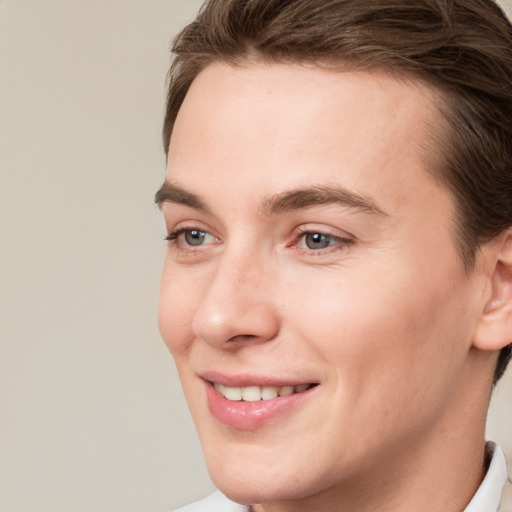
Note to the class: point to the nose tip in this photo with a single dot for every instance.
(235, 310)
(224, 322)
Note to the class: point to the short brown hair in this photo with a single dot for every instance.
(463, 48)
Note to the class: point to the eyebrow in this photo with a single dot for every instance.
(171, 193)
(317, 196)
(296, 199)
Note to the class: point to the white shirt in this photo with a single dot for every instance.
(493, 495)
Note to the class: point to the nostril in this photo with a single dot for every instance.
(243, 337)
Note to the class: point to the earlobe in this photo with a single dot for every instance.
(494, 330)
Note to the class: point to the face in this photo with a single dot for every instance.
(312, 294)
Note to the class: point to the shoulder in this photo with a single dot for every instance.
(216, 502)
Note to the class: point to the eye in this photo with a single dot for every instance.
(194, 237)
(191, 237)
(315, 241)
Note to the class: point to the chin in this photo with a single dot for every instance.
(250, 491)
(246, 479)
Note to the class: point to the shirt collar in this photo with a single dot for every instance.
(489, 495)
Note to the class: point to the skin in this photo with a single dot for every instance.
(383, 318)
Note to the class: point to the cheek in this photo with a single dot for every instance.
(388, 331)
(175, 312)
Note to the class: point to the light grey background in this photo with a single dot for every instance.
(91, 413)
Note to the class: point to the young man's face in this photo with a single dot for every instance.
(312, 249)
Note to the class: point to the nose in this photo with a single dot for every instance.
(237, 305)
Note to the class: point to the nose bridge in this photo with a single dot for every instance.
(244, 268)
(237, 303)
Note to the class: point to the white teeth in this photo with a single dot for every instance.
(256, 393)
(219, 387)
(233, 393)
(251, 394)
(269, 392)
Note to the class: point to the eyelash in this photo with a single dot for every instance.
(173, 235)
(339, 243)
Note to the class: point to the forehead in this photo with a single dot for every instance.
(311, 89)
(286, 124)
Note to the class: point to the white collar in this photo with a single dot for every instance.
(495, 492)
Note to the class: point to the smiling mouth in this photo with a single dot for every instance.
(257, 393)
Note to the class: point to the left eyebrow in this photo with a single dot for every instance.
(317, 196)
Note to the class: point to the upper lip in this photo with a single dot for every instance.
(245, 380)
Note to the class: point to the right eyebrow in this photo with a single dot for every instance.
(171, 193)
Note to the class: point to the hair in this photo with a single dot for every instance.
(461, 48)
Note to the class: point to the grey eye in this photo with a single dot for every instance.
(317, 240)
(194, 237)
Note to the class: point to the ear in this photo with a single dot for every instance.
(494, 330)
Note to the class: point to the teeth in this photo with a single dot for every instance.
(251, 394)
(256, 393)
(286, 391)
(269, 392)
(233, 393)
(219, 387)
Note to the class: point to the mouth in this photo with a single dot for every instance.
(246, 403)
(254, 393)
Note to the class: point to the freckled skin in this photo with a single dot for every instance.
(384, 322)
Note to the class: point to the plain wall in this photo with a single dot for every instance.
(91, 413)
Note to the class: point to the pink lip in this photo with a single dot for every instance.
(249, 416)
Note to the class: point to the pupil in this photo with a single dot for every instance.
(317, 241)
(194, 237)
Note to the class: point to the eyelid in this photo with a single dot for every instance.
(180, 223)
(323, 229)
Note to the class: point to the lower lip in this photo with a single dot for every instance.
(250, 415)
